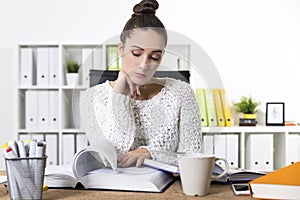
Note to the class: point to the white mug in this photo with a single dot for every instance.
(196, 173)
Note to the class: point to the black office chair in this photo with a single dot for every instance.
(98, 76)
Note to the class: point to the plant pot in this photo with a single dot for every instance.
(72, 79)
(249, 116)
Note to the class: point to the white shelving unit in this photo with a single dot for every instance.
(282, 152)
(68, 137)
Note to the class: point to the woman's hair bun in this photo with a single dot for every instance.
(146, 7)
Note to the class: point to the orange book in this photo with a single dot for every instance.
(283, 183)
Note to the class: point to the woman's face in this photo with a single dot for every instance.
(141, 55)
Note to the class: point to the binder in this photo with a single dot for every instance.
(254, 152)
(68, 148)
(42, 66)
(51, 150)
(232, 149)
(54, 75)
(218, 107)
(54, 117)
(226, 107)
(31, 110)
(27, 67)
(98, 58)
(208, 144)
(220, 148)
(259, 152)
(112, 58)
(210, 107)
(200, 96)
(267, 152)
(86, 65)
(81, 141)
(43, 110)
(292, 154)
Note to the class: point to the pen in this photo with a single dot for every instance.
(21, 147)
(40, 149)
(22, 153)
(9, 153)
(40, 152)
(27, 146)
(4, 147)
(32, 147)
(14, 147)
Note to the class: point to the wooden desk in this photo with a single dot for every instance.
(217, 191)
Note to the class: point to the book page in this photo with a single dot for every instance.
(86, 161)
(60, 171)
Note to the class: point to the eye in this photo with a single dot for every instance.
(156, 57)
(136, 53)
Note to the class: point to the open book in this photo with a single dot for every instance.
(89, 172)
(236, 175)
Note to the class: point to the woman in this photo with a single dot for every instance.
(142, 116)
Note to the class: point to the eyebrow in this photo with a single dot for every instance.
(155, 51)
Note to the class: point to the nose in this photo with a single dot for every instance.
(145, 61)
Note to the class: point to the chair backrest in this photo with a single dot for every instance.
(98, 76)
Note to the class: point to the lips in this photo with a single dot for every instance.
(139, 75)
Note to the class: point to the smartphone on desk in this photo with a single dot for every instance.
(240, 189)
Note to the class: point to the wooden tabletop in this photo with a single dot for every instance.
(217, 191)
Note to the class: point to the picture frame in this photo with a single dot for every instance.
(275, 114)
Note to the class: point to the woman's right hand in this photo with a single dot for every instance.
(126, 86)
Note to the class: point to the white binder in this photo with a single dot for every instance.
(54, 75)
(254, 152)
(208, 144)
(43, 110)
(68, 148)
(54, 117)
(42, 66)
(292, 154)
(87, 64)
(267, 152)
(98, 58)
(220, 148)
(259, 152)
(232, 149)
(51, 150)
(26, 67)
(81, 141)
(31, 110)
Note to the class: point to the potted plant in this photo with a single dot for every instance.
(72, 72)
(248, 107)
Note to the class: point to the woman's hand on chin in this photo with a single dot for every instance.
(124, 85)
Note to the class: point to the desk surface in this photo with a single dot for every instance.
(217, 192)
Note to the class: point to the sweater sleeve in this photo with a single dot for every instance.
(190, 134)
(105, 114)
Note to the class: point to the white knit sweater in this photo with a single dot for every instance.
(167, 123)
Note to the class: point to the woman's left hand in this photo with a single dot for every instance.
(135, 157)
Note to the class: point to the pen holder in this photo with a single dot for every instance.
(25, 177)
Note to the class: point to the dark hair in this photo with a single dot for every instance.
(144, 18)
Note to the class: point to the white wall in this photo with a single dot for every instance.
(255, 44)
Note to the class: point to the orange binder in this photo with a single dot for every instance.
(218, 107)
(226, 107)
(283, 183)
(200, 96)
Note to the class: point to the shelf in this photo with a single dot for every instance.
(35, 87)
(77, 87)
(37, 131)
(251, 129)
